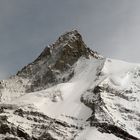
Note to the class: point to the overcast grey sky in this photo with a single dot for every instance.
(111, 27)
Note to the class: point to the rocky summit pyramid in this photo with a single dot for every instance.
(71, 93)
(55, 60)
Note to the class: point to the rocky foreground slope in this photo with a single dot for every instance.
(71, 93)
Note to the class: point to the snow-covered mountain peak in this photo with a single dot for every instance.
(71, 93)
(55, 60)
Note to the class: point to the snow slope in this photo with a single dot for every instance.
(62, 101)
(93, 134)
(122, 99)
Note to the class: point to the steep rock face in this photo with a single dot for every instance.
(55, 60)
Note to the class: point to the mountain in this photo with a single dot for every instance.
(71, 93)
